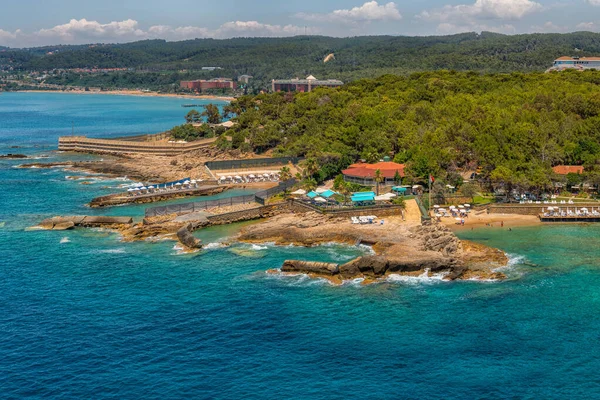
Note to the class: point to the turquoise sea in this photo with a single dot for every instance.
(83, 315)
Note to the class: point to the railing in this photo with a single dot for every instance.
(424, 213)
(339, 208)
(261, 197)
(251, 163)
(186, 208)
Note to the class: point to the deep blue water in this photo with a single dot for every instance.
(92, 317)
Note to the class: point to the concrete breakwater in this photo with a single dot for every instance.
(164, 148)
(534, 209)
(126, 198)
(69, 222)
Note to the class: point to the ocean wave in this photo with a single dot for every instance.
(119, 250)
(180, 251)
(425, 277)
(65, 240)
(257, 247)
(215, 245)
(296, 279)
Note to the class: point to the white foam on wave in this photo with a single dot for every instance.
(257, 247)
(119, 250)
(296, 279)
(65, 240)
(425, 277)
(180, 251)
(215, 245)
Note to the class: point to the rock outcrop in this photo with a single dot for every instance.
(69, 222)
(184, 234)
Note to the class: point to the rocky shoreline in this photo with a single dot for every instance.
(399, 248)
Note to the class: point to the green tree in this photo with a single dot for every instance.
(469, 190)
(378, 179)
(285, 174)
(397, 178)
(192, 116)
(212, 114)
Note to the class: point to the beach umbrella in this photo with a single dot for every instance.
(186, 182)
(251, 176)
(193, 181)
(266, 175)
(143, 188)
(178, 184)
(458, 219)
(461, 206)
(438, 215)
(320, 200)
(238, 177)
(467, 205)
(229, 177)
(436, 206)
(150, 187)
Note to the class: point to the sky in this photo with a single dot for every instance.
(28, 23)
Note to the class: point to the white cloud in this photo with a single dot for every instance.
(476, 16)
(255, 28)
(369, 11)
(483, 10)
(587, 26)
(549, 27)
(83, 31)
(594, 2)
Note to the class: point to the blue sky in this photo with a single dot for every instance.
(27, 23)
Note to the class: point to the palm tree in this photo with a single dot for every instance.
(311, 167)
(378, 179)
(285, 174)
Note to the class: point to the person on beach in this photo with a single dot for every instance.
(501, 224)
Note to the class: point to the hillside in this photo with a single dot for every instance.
(268, 58)
(514, 127)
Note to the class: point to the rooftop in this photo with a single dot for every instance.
(567, 58)
(363, 170)
(567, 169)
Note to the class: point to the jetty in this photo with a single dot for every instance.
(62, 223)
(110, 146)
(157, 195)
(573, 218)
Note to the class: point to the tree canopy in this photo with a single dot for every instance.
(511, 127)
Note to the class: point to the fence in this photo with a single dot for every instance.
(261, 197)
(186, 208)
(423, 208)
(251, 163)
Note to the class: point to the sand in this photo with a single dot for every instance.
(137, 93)
(493, 220)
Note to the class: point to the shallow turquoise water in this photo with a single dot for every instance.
(83, 315)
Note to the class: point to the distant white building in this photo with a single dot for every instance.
(579, 63)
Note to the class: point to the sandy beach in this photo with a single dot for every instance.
(493, 220)
(138, 93)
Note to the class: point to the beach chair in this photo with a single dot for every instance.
(355, 220)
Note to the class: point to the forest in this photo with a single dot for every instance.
(159, 65)
(511, 128)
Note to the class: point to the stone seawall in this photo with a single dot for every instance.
(124, 198)
(249, 214)
(356, 212)
(88, 145)
(533, 209)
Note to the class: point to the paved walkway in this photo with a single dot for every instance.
(413, 214)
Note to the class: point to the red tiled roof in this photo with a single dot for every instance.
(567, 169)
(361, 170)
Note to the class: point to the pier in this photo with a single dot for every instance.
(575, 218)
(161, 148)
(127, 198)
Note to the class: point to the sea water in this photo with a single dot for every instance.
(83, 315)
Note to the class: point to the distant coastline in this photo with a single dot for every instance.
(137, 93)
